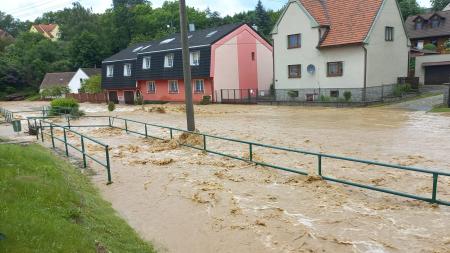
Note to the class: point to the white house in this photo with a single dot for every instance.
(80, 76)
(324, 48)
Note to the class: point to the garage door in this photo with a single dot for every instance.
(437, 74)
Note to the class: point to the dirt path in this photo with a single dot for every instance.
(187, 201)
(423, 104)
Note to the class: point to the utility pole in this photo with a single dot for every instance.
(186, 68)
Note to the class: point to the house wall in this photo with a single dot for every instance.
(75, 83)
(233, 66)
(118, 81)
(420, 60)
(162, 91)
(351, 56)
(387, 60)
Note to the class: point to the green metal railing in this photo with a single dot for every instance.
(320, 156)
(43, 124)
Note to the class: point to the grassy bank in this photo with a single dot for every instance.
(440, 108)
(49, 206)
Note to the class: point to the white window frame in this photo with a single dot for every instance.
(109, 70)
(202, 84)
(169, 60)
(153, 83)
(127, 69)
(146, 62)
(169, 86)
(195, 58)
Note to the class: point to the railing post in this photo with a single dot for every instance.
(109, 119)
(146, 131)
(51, 134)
(319, 165)
(204, 142)
(37, 129)
(108, 166)
(42, 130)
(171, 133)
(83, 150)
(435, 182)
(126, 126)
(65, 142)
(250, 152)
(68, 121)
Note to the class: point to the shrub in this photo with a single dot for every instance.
(92, 85)
(65, 106)
(348, 96)
(401, 89)
(324, 98)
(139, 100)
(430, 46)
(111, 106)
(206, 100)
(293, 93)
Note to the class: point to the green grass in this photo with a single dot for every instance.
(47, 205)
(440, 108)
(420, 96)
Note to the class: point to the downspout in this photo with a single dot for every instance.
(364, 98)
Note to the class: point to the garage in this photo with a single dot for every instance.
(437, 73)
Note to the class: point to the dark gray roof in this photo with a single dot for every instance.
(92, 71)
(56, 79)
(4, 34)
(198, 38)
(427, 31)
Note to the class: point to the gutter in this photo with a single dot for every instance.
(364, 98)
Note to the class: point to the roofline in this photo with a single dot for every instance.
(430, 36)
(314, 22)
(119, 60)
(342, 45)
(173, 49)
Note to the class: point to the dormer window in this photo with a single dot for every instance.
(435, 22)
(419, 24)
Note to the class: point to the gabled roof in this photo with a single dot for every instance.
(348, 21)
(198, 38)
(92, 71)
(442, 30)
(57, 79)
(4, 34)
(45, 29)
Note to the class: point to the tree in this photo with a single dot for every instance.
(262, 19)
(439, 5)
(92, 85)
(409, 8)
(86, 50)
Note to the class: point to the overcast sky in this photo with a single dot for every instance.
(30, 9)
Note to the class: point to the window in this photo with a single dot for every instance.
(151, 87)
(253, 56)
(173, 86)
(199, 86)
(334, 69)
(110, 71)
(295, 71)
(334, 93)
(146, 62)
(168, 61)
(294, 41)
(389, 33)
(127, 69)
(211, 34)
(419, 24)
(420, 44)
(195, 58)
(435, 22)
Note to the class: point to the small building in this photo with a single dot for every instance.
(5, 35)
(71, 80)
(232, 56)
(60, 79)
(326, 48)
(431, 28)
(50, 31)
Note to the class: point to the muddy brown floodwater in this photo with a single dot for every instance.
(184, 200)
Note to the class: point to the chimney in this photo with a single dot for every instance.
(191, 27)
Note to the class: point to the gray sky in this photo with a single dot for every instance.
(30, 9)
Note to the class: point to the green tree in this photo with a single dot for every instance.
(439, 5)
(92, 85)
(86, 50)
(262, 19)
(409, 8)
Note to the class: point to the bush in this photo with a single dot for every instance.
(324, 98)
(430, 46)
(65, 106)
(348, 96)
(92, 85)
(293, 93)
(139, 100)
(111, 106)
(206, 100)
(401, 89)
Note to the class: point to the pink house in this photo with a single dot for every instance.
(230, 57)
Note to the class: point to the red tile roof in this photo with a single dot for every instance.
(349, 20)
(47, 29)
